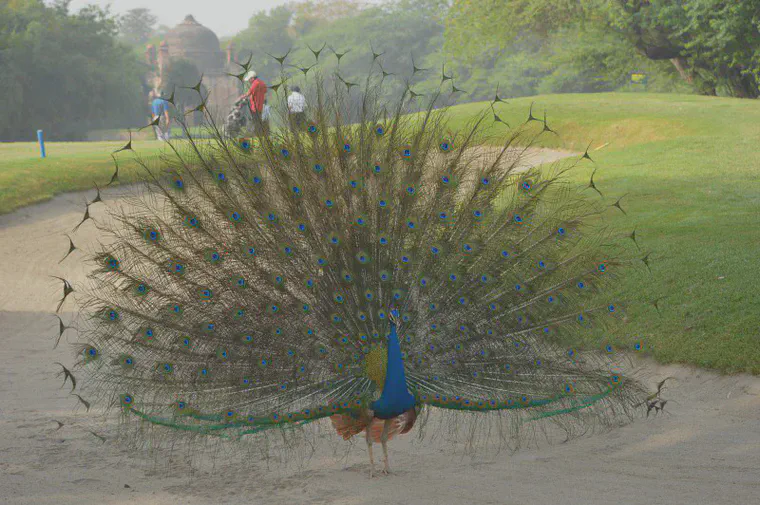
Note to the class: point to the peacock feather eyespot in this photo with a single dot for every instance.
(152, 235)
(126, 400)
(518, 287)
(379, 130)
(111, 263)
(236, 217)
(382, 203)
(336, 318)
(362, 257)
(178, 183)
(569, 389)
(611, 308)
(186, 342)
(203, 372)
(542, 264)
(383, 240)
(526, 186)
(609, 349)
(467, 248)
(90, 354)
(353, 184)
(221, 177)
(638, 346)
(210, 326)
(285, 153)
(309, 283)
(561, 231)
(382, 314)
(206, 294)
(581, 285)
(166, 368)
(296, 191)
(463, 300)
(241, 283)
(329, 203)
(433, 307)
(602, 267)
(247, 338)
(245, 144)
(406, 152)
(477, 213)
(453, 277)
(445, 145)
(411, 190)
(312, 128)
(405, 258)
(256, 180)
(272, 217)
(518, 219)
(485, 181)
(505, 254)
(191, 221)
(377, 169)
(222, 353)
(445, 179)
(318, 168)
(141, 289)
(250, 251)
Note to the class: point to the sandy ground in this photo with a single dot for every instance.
(704, 450)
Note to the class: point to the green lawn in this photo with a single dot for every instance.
(25, 178)
(690, 166)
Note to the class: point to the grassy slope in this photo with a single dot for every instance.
(690, 164)
(691, 168)
(25, 178)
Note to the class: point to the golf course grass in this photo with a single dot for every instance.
(688, 165)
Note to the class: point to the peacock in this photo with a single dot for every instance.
(379, 261)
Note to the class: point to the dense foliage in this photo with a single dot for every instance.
(64, 73)
(714, 45)
(70, 72)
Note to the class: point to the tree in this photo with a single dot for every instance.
(136, 26)
(64, 73)
(267, 34)
(713, 44)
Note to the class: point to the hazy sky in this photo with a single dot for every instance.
(225, 17)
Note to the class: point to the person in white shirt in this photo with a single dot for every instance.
(297, 107)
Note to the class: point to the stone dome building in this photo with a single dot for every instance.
(194, 42)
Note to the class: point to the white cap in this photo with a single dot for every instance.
(250, 75)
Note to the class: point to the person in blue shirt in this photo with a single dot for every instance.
(161, 110)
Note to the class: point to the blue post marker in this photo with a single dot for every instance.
(42, 143)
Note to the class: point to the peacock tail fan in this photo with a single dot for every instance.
(249, 287)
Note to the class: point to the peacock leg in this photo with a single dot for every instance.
(384, 441)
(369, 449)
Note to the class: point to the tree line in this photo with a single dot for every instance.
(71, 72)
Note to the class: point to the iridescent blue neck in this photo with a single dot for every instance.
(395, 398)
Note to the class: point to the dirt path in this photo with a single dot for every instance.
(705, 450)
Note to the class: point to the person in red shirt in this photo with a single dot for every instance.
(256, 95)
